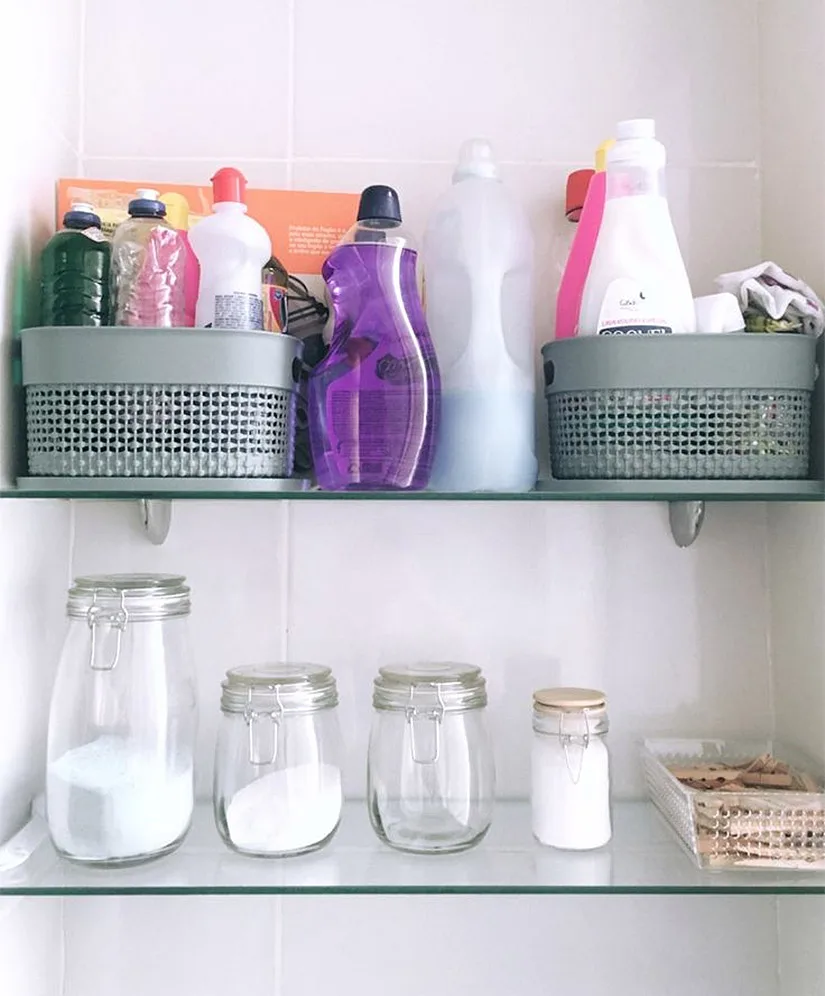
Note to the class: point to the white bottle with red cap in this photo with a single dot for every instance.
(232, 249)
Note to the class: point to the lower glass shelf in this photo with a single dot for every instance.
(643, 858)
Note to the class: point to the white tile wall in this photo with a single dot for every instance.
(590, 946)
(204, 945)
(319, 94)
(31, 947)
(793, 136)
(801, 945)
(40, 118)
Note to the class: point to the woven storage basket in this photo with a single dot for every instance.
(706, 407)
(177, 403)
(751, 828)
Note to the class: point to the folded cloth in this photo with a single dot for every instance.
(767, 289)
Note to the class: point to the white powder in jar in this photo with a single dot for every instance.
(570, 793)
(287, 810)
(110, 800)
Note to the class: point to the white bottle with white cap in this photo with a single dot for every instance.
(478, 268)
(637, 283)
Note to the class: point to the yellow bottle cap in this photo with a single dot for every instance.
(601, 154)
(177, 210)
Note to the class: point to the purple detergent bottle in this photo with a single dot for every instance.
(374, 399)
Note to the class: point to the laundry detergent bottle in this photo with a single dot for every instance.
(478, 255)
(637, 283)
(374, 399)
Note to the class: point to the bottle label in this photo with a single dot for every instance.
(94, 234)
(238, 311)
(629, 309)
(274, 307)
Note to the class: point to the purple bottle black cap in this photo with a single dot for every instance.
(379, 203)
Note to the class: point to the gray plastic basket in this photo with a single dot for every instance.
(172, 403)
(733, 407)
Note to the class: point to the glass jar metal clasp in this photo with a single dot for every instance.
(574, 745)
(262, 728)
(116, 620)
(424, 720)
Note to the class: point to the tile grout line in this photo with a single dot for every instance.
(290, 160)
(290, 94)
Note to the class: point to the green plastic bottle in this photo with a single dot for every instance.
(74, 272)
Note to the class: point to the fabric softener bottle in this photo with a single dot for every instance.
(374, 399)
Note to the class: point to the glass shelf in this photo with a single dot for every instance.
(643, 858)
(166, 488)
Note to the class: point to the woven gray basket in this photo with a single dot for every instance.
(680, 407)
(186, 403)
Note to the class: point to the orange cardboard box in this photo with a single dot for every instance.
(304, 225)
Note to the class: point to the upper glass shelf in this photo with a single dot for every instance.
(250, 488)
(642, 858)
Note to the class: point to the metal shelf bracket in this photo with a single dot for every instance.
(686, 518)
(156, 514)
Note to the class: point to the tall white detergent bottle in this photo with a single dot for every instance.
(232, 249)
(637, 283)
(478, 271)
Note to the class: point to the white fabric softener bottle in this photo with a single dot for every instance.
(637, 283)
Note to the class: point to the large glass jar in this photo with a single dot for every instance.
(278, 759)
(119, 780)
(431, 775)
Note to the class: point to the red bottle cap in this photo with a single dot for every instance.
(577, 183)
(228, 184)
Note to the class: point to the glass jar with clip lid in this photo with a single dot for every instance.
(119, 780)
(278, 759)
(570, 793)
(431, 775)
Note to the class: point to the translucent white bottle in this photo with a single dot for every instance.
(232, 249)
(637, 283)
(478, 267)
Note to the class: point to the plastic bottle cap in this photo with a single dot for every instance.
(146, 204)
(475, 158)
(177, 210)
(635, 128)
(81, 215)
(228, 184)
(379, 203)
(601, 154)
(577, 183)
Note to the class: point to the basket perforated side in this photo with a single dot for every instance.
(159, 430)
(680, 433)
(745, 827)
(671, 799)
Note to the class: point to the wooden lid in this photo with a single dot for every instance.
(569, 699)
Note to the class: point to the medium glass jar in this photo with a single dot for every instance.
(119, 780)
(431, 775)
(278, 759)
(570, 768)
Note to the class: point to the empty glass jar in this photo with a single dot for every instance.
(119, 781)
(431, 776)
(277, 763)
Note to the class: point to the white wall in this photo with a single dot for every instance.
(792, 34)
(40, 122)
(330, 96)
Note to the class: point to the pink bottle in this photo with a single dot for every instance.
(568, 302)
